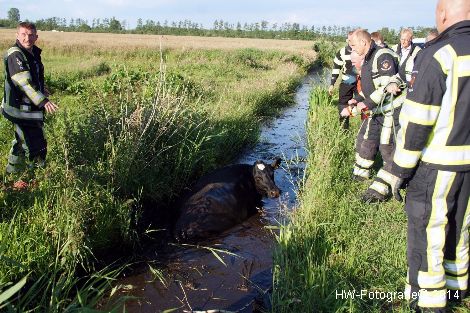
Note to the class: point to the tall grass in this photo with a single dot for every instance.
(130, 135)
(334, 243)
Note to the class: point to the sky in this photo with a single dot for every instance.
(369, 14)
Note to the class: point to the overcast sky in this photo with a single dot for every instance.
(370, 14)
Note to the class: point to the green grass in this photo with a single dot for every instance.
(133, 127)
(335, 243)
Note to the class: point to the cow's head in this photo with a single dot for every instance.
(263, 175)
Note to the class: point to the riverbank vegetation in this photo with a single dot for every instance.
(338, 254)
(135, 126)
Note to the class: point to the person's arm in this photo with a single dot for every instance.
(21, 77)
(338, 63)
(387, 69)
(419, 114)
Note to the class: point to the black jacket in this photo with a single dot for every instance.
(23, 96)
(435, 118)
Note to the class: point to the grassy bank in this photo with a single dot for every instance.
(334, 243)
(135, 126)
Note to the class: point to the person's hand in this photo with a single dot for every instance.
(361, 106)
(345, 112)
(50, 107)
(352, 101)
(330, 90)
(393, 88)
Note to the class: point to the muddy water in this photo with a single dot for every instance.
(232, 272)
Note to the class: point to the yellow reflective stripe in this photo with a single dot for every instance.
(431, 280)
(420, 113)
(406, 158)
(447, 155)
(432, 298)
(14, 159)
(376, 96)
(457, 283)
(435, 230)
(379, 187)
(386, 176)
(386, 133)
(15, 112)
(445, 57)
(407, 291)
(22, 80)
(361, 172)
(457, 267)
(463, 66)
(15, 49)
(363, 162)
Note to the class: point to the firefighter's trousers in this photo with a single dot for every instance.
(438, 209)
(29, 146)
(377, 133)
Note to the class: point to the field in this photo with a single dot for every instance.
(140, 117)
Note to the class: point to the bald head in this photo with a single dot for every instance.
(360, 41)
(449, 12)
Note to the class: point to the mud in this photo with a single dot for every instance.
(232, 272)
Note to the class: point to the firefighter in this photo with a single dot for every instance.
(378, 39)
(398, 87)
(377, 130)
(343, 66)
(433, 33)
(25, 100)
(407, 50)
(433, 154)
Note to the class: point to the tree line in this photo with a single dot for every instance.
(262, 29)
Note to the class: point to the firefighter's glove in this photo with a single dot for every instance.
(396, 183)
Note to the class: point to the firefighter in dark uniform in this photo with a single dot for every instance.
(433, 153)
(407, 50)
(380, 121)
(25, 100)
(344, 68)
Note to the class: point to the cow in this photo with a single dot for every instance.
(224, 198)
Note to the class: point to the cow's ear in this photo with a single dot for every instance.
(277, 163)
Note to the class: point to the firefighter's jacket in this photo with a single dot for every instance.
(380, 65)
(406, 66)
(435, 117)
(343, 66)
(23, 96)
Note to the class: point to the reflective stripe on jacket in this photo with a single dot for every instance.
(435, 117)
(23, 97)
(380, 65)
(343, 66)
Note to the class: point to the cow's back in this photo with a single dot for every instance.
(218, 200)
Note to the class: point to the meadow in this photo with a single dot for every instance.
(140, 117)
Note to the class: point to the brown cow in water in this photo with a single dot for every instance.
(224, 198)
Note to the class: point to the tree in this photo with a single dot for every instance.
(14, 15)
(115, 25)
